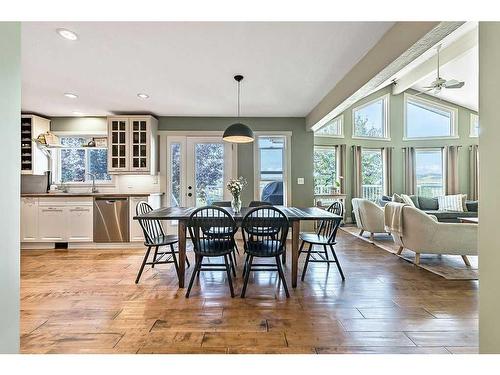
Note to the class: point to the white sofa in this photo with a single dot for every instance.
(423, 234)
(369, 216)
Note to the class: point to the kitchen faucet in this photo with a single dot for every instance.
(94, 189)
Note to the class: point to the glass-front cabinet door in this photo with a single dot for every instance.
(139, 144)
(118, 134)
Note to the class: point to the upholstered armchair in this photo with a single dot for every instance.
(423, 234)
(369, 216)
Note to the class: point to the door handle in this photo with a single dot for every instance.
(190, 187)
(190, 194)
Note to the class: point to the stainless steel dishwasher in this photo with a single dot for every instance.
(111, 219)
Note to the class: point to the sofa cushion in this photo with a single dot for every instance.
(472, 206)
(428, 203)
(450, 216)
(453, 203)
(407, 200)
(397, 198)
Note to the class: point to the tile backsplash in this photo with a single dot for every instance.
(124, 184)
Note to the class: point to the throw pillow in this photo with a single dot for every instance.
(397, 198)
(406, 199)
(451, 203)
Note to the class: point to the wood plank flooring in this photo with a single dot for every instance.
(85, 301)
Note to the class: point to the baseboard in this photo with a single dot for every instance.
(83, 245)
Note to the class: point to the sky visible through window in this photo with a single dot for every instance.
(429, 172)
(369, 120)
(427, 121)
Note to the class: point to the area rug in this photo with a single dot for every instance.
(450, 267)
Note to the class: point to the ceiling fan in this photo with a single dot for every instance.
(440, 83)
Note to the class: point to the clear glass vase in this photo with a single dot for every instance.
(236, 204)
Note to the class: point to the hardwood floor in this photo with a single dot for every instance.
(85, 301)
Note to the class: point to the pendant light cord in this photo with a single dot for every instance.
(238, 99)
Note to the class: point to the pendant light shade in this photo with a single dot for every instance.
(238, 132)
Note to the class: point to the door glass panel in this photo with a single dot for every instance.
(175, 174)
(209, 173)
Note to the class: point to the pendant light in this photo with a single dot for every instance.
(238, 132)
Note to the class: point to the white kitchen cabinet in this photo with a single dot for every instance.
(29, 219)
(52, 223)
(80, 221)
(132, 145)
(136, 233)
(33, 159)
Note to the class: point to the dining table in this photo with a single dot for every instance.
(295, 216)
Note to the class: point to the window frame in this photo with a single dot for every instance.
(287, 152)
(339, 118)
(430, 103)
(333, 148)
(443, 166)
(386, 121)
(56, 160)
(471, 127)
(384, 166)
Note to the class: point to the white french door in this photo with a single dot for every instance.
(198, 169)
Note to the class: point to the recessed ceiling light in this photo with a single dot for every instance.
(142, 96)
(70, 95)
(67, 34)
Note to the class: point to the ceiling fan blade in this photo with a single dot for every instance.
(453, 84)
(429, 87)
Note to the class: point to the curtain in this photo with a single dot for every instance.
(387, 157)
(410, 178)
(341, 166)
(356, 172)
(451, 170)
(474, 172)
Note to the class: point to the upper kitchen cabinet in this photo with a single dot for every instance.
(33, 159)
(132, 145)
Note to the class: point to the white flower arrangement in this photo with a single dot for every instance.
(236, 185)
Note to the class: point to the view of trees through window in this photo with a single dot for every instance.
(325, 171)
(369, 120)
(332, 128)
(372, 173)
(175, 174)
(76, 161)
(429, 172)
(209, 173)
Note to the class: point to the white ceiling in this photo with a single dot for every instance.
(187, 68)
(463, 68)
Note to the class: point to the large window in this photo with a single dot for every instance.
(371, 119)
(271, 176)
(474, 125)
(429, 172)
(427, 119)
(372, 173)
(325, 170)
(333, 128)
(77, 162)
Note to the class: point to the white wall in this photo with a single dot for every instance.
(489, 174)
(10, 155)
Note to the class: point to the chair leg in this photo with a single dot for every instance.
(228, 271)
(154, 257)
(361, 232)
(372, 236)
(466, 260)
(307, 261)
(174, 258)
(245, 265)
(231, 262)
(195, 271)
(337, 262)
(417, 258)
(400, 250)
(326, 254)
(247, 275)
(301, 247)
(283, 257)
(143, 264)
(282, 276)
(187, 261)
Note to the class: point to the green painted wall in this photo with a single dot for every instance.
(396, 124)
(10, 154)
(302, 144)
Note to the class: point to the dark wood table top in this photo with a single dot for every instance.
(293, 213)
